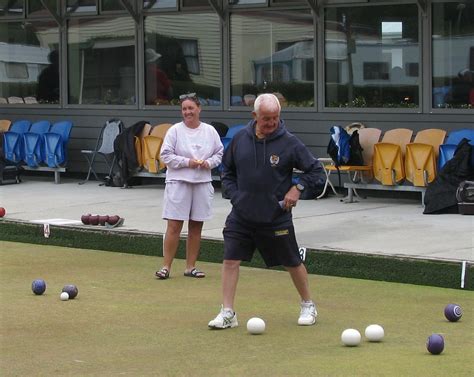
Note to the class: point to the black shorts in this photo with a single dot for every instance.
(277, 244)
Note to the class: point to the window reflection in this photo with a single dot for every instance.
(25, 48)
(157, 4)
(242, 2)
(11, 8)
(101, 61)
(272, 52)
(79, 6)
(110, 5)
(181, 59)
(453, 55)
(372, 61)
(48, 80)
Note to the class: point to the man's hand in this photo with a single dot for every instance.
(291, 198)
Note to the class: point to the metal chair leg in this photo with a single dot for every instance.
(91, 168)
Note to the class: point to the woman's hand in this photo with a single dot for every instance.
(196, 164)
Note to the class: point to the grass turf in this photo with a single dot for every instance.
(125, 322)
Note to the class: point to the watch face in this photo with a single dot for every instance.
(300, 187)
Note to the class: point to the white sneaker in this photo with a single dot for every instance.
(308, 314)
(225, 319)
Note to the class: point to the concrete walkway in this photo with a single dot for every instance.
(384, 226)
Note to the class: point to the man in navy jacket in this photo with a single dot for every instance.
(257, 174)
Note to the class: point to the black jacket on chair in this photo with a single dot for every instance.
(124, 149)
(440, 196)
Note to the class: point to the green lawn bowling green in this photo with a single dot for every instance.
(125, 322)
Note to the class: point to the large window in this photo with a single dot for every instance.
(453, 55)
(272, 51)
(181, 59)
(372, 56)
(29, 65)
(101, 61)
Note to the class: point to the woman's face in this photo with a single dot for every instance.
(190, 111)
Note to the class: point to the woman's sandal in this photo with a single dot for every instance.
(195, 273)
(162, 274)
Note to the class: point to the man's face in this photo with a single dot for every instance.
(267, 121)
(190, 110)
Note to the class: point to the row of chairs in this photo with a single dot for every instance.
(35, 144)
(148, 145)
(395, 157)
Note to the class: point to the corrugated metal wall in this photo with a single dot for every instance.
(311, 127)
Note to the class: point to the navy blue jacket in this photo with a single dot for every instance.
(257, 173)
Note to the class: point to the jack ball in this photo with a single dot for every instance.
(64, 296)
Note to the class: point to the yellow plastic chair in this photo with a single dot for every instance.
(152, 147)
(422, 155)
(388, 158)
(152, 153)
(139, 144)
(367, 138)
(5, 125)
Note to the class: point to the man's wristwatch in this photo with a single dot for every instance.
(300, 187)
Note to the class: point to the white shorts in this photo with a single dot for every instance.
(188, 201)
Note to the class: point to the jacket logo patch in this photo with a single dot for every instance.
(274, 160)
(282, 232)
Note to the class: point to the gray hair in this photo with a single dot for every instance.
(270, 101)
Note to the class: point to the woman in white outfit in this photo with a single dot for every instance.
(191, 149)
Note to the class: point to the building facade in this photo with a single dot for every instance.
(387, 64)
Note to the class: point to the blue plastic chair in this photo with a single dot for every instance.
(233, 130)
(13, 141)
(228, 138)
(33, 142)
(446, 150)
(55, 142)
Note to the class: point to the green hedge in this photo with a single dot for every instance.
(353, 265)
